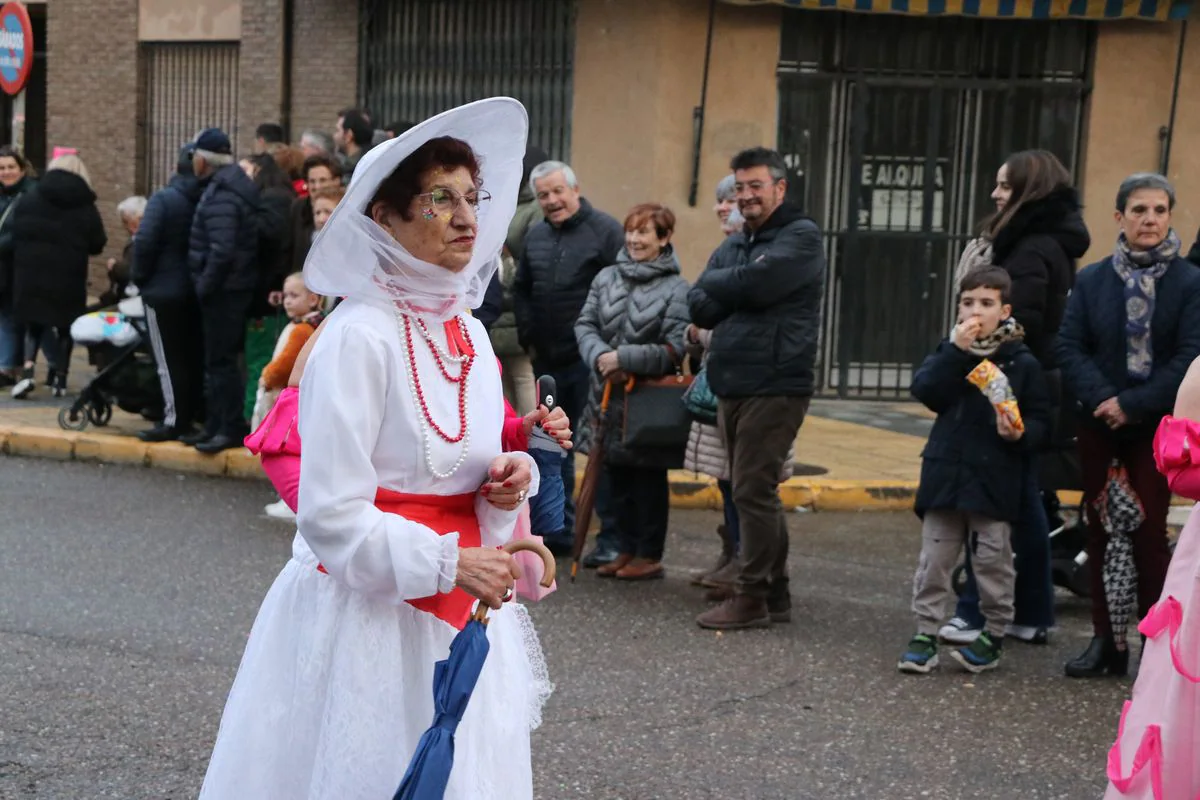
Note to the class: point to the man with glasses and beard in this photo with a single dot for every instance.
(761, 296)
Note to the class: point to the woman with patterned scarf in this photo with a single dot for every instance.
(1130, 332)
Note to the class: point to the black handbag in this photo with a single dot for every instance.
(655, 416)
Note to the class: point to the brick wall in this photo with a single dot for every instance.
(260, 73)
(92, 101)
(324, 62)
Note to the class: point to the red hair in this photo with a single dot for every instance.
(656, 214)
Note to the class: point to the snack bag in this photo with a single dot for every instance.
(996, 388)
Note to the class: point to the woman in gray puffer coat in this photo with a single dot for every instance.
(632, 326)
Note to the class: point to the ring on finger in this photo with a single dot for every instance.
(508, 595)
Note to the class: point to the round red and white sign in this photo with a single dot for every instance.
(16, 47)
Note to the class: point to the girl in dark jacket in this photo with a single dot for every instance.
(632, 326)
(1036, 234)
(15, 180)
(56, 227)
(1129, 335)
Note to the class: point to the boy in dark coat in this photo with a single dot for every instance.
(972, 469)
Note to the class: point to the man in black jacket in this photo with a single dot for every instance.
(164, 281)
(223, 258)
(562, 255)
(761, 296)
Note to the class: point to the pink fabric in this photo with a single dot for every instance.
(532, 569)
(1177, 456)
(1154, 757)
(512, 437)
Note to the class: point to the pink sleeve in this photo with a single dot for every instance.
(1175, 453)
(512, 437)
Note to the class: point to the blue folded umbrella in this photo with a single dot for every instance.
(547, 509)
(453, 682)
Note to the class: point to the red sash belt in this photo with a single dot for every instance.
(443, 514)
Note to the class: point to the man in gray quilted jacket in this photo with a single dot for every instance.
(761, 296)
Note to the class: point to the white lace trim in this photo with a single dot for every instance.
(540, 687)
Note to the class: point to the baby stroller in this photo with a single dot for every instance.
(118, 345)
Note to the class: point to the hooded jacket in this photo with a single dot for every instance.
(160, 248)
(554, 275)
(1038, 248)
(55, 227)
(638, 309)
(223, 246)
(761, 296)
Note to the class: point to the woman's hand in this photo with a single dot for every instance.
(553, 422)
(486, 574)
(608, 363)
(509, 482)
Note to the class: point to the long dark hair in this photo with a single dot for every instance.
(1033, 175)
(269, 175)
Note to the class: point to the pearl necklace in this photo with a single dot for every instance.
(425, 419)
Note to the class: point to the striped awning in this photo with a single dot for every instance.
(1160, 10)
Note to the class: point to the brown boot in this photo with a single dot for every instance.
(723, 559)
(719, 594)
(725, 577)
(640, 569)
(740, 611)
(611, 568)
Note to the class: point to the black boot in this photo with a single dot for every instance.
(1102, 656)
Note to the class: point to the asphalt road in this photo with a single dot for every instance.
(128, 593)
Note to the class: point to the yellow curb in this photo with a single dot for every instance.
(42, 443)
(108, 449)
(245, 465)
(180, 457)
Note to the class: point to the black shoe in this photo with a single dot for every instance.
(193, 439)
(1102, 656)
(50, 375)
(599, 557)
(219, 444)
(164, 433)
(780, 608)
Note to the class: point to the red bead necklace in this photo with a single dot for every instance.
(465, 356)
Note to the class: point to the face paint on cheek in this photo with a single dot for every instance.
(427, 214)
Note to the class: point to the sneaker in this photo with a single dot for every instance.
(280, 510)
(1027, 634)
(921, 657)
(958, 631)
(25, 385)
(981, 655)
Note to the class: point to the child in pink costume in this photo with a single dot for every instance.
(1157, 752)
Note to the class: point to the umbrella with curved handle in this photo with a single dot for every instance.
(454, 680)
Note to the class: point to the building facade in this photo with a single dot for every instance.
(892, 114)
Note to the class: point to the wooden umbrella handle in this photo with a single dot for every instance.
(549, 571)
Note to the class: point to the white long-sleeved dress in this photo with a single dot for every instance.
(336, 684)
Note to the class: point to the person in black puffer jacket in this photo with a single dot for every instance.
(1036, 234)
(55, 228)
(223, 259)
(562, 256)
(164, 281)
(761, 296)
(1129, 335)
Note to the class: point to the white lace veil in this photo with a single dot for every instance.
(355, 258)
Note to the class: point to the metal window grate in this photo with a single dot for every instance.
(894, 128)
(421, 57)
(186, 87)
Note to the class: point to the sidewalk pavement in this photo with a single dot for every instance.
(851, 455)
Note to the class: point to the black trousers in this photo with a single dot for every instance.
(224, 318)
(177, 339)
(641, 504)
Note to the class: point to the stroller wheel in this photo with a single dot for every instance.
(71, 418)
(100, 413)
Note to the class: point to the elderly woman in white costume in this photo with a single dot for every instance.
(404, 494)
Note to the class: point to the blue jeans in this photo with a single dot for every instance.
(732, 527)
(12, 342)
(1034, 590)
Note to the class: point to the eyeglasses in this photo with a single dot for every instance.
(448, 199)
